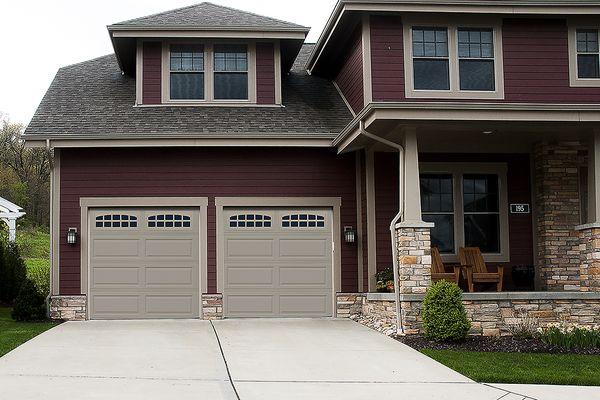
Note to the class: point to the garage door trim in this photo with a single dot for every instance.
(333, 203)
(87, 203)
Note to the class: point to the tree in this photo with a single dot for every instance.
(31, 167)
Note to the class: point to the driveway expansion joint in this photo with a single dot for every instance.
(225, 361)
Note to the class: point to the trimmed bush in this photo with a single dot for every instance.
(444, 315)
(30, 304)
(12, 271)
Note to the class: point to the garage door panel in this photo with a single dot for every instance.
(242, 276)
(241, 305)
(303, 247)
(142, 267)
(281, 270)
(116, 276)
(126, 305)
(304, 276)
(249, 248)
(116, 248)
(170, 304)
(169, 276)
(169, 248)
(304, 304)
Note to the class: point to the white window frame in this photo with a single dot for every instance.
(209, 72)
(575, 80)
(458, 170)
(452, 26)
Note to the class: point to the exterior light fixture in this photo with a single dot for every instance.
(349, 234)
(72, 236)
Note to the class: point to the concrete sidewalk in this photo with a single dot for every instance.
(550, 392)
(247, 359)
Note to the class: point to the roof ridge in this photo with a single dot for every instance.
(86, 61)
(208, 3)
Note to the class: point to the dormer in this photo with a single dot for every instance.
(206, 55)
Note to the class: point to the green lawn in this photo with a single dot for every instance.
(13, 334)
(552, 369)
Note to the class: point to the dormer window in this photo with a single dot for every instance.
(231, 72)
(186, 72)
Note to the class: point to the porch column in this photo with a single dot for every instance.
(413, 236)
(589, 233)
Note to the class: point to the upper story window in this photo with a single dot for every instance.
(453, 61)
(186, 64)
(584, 56)
(231, 72)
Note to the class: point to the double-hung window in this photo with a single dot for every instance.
(588, 54)
(476, 59)
(468, 205)
(431, 65)
(186, 65)
(453, 61)
(230, 72)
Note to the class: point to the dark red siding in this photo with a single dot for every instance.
(350, 77)
(203, 173)
(265, 73)
(363, 214)
(387, 58)
(519, 191)
(536, 63)
(151, 73)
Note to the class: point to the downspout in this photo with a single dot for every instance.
(398, 217)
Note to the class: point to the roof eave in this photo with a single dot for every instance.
(228, 28)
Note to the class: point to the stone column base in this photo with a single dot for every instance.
(68, 308)
(589, 269)
(212, 306)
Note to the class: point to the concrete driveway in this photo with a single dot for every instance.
(230, 359)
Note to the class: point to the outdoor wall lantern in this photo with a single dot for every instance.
(72, 236)
(349, 234)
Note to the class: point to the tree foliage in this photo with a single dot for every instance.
(24, 173)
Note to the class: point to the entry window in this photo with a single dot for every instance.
(437, 205)
(187, 72)
(588, 54)
(481, 212)
(169, 221)
(231, 72)
(116, 221)
(476, 59)
(431, 64)
(250, 221)
(303, 221)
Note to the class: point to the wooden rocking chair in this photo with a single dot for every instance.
(472, 260)
(438, 271)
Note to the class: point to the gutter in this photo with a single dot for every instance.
(395, 220)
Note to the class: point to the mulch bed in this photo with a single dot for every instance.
(505, 344)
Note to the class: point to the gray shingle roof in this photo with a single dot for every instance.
(208, 15)
(93, 98)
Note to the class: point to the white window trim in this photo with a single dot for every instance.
(208, 75)
(574, 78)
(452, 25)
(458, 170)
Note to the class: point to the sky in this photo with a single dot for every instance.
(39, 37)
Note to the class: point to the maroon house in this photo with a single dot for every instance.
(217, 165)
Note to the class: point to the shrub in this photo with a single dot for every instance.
(38, 270)
(444, 315)
(568, 337)
(30, 304)
(12, 271)
(385, 280)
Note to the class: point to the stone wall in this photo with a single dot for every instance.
(212, 306)
(349, 304)
(68, 308)
(374, 310)
(558, 212)
(589, 247)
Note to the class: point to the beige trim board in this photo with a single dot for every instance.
(77, 141)
(371, 220)
(278, 95)
(366, 55)
(86, 203)
(139, 73)
(55, 224)
(334, 203)
(335, 85)
(239, 34)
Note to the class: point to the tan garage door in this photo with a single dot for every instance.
(277, 262)
(144, 263)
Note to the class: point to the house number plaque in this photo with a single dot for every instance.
(520, 209)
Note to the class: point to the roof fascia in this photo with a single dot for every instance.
(208, 33)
